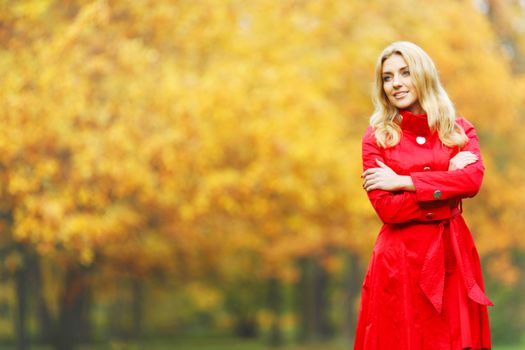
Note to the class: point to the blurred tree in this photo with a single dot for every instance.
(178, 142)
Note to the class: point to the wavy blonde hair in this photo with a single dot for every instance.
(431, 95)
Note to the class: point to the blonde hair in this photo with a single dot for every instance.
(431, 95)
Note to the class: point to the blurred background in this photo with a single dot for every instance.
(186, 174)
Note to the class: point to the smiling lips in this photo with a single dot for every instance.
(400, 94)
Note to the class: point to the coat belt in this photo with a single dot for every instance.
(432, 280)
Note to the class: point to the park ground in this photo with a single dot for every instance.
(217, 343)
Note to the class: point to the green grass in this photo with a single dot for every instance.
(217, 343)
(509, 347)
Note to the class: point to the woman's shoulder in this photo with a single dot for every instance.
(369, 133)
(464, 123)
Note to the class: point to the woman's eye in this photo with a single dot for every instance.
(406, 73)
(386, 78)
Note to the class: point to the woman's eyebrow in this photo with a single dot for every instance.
(389, 72)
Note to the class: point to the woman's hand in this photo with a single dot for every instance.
(461, 160)
(384, 178)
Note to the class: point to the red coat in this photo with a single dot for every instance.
(423, 289)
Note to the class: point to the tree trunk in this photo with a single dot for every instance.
(244, 299)
(137, 309)
(322, 327)
(352, 288)
(275, 304)
(313, 301)
(84, 326)
(45, 322)
(246, 326)
(21, 279)
(74, 323)
(115, 314)
(302, 292)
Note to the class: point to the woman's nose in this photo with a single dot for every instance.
(396, 81)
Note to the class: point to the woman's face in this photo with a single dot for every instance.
(398, 85)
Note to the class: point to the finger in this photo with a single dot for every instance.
(372, 187)
(464, 163)
(468, 158)
(467, 161)
(463, 154)
(381, 164)
(373, 178)
(370, 171)
(371, 181)
(371, 175)
(466, 152)
(467, 155)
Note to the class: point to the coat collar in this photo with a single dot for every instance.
(415, 123)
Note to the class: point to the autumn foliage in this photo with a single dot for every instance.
(203, 150)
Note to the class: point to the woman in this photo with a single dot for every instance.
(423, 289)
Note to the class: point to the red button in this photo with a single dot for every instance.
(427, 168)
(429, 216)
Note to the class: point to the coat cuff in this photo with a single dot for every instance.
(425, 191)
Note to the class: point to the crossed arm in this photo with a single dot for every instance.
(404, 198)
(384, 178)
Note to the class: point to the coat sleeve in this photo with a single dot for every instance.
(460, 183)
(403, 206)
